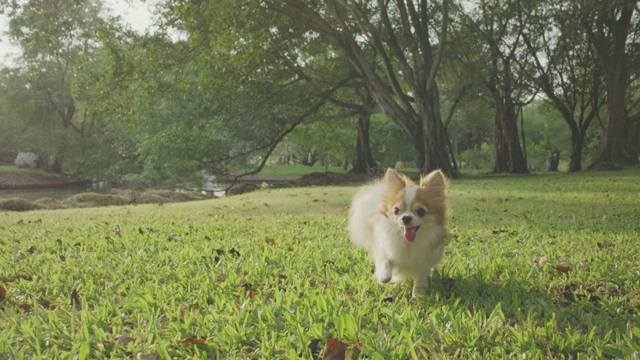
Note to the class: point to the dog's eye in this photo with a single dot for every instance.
(421, 212)
(396, 210)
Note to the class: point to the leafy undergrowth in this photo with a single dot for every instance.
(542, 266)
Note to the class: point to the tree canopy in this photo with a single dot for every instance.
(435, 84)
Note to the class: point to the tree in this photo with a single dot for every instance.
(608, 25)
(56, 37)
(565, 69)
(389, 45)
(488, 46)
(273, 64)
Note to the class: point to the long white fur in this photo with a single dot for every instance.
(395, 258)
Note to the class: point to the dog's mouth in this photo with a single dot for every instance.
(410, 233)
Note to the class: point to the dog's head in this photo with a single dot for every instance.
(411, 206)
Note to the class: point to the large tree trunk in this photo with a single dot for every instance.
(509, 155)
(365, 163)
(608, 34)
(577, 143)
(633, 135)
(554, 160)
(615, 146)
(436, 145)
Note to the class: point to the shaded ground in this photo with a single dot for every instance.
(27, 180)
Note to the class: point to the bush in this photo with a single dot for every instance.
(18, 204)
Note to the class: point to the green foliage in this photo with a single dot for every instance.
(389, 144)
(541, 266)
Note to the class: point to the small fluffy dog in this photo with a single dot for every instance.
(402, 226)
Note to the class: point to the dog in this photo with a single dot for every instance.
(402, 226)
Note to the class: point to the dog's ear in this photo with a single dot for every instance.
(394, 180)
(435, 181)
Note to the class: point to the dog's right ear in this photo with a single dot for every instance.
(394, 180)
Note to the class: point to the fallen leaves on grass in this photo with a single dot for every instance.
(194, 340)
(20, 276)
(334, 350)
(271, 241)
(75, 297)
(221, 278)
(593, 292)
(603, 246)
(124, 340)
(46, 304)
(25, 307)
(174, 238)
(314, 346)
(3, 293)
(562, 268)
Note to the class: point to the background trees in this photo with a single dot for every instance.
(389, 45)
(563, 66)
(611, 31)
(358, 83)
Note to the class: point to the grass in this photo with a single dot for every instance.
(537, 266)
(299, 169)
(12, 168)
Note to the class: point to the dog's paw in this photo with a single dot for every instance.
(418, 291)
(383, 278)
(420, 286)
(383, 274)
(383, 271)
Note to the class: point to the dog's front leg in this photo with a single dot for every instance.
(383, 270)
(420, 284)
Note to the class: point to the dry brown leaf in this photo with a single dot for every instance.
(75, 297)
(194, 340)
(315, 348)
(334, 350)
(124, 340)
(3, 293)
(46, 304)
(562, 268)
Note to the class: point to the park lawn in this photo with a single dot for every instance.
(543, 266)
(11, 168)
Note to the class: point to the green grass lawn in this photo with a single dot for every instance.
(543, 266)
(12, 168)
(299, 169)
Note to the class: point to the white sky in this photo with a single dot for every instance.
(135, 12)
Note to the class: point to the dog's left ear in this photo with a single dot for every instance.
(434, 181)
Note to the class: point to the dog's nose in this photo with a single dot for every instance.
(406, 220)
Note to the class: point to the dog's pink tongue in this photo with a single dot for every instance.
(410, 233)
